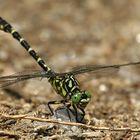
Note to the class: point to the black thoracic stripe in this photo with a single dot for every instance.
(66, 85)
(6, 27)
(70, 84)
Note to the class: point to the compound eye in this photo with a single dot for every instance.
(88, 94)
(76, 98)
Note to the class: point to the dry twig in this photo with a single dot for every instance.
(68, 123)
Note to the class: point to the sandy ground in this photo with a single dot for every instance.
(68, 33)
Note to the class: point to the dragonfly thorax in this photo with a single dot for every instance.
(65, 86)
(68, 87)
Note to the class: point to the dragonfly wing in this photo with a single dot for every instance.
(94, 69)
(99, 69)
(21, 76)
(6, 83)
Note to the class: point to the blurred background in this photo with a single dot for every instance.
(68, 33)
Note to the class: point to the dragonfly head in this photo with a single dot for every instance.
(81, 98)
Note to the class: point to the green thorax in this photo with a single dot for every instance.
(65, 86)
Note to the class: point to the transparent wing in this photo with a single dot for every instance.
(6, 83)
(21, 76)
(98, 69)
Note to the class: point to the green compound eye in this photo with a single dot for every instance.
(76, 98)
(88, 94)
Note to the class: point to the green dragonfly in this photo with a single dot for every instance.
(65, 84)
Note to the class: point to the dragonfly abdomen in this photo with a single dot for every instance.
(6, 27)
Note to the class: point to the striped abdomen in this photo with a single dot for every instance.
(6, 27)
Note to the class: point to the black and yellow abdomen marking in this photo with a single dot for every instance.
(6, 27)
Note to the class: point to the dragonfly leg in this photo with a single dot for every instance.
(57, 102)
(76, 113)
(53, 102)
(66, 106)
(83, 114)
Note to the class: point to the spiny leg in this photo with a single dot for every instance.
(6, 27)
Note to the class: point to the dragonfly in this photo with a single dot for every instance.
(65, 84)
